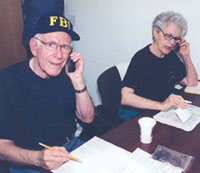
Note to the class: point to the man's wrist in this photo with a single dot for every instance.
(81, 90)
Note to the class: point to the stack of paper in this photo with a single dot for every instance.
(170, 118)
(99, 156)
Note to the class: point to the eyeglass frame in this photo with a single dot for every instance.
(169, 37)
(56, 46)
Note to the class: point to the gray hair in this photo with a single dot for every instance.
(171, 16)
(37, 36)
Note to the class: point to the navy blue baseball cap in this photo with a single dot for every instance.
(52, 23)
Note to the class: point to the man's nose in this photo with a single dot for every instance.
(59, 52)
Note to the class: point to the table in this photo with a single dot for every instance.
(127, 136)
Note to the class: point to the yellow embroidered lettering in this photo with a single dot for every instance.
(63, 22)
(53, 20)
(68, 24)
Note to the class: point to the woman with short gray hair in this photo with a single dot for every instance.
(171, 16)
(154, 70)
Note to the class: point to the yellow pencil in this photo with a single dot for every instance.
(51, 148)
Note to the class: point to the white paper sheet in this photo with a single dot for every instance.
(99, 156)
(170, 118)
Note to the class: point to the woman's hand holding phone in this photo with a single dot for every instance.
(176, 47)
(184, 48)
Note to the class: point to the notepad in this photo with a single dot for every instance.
(194, 89)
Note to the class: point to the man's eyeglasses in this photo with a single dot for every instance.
(169, 36)
(65, 48)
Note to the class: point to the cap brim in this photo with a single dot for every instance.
(73, 34)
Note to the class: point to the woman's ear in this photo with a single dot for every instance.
(33, 46)
(155, 32)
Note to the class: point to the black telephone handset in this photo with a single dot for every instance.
(176, 47)
(70, 64)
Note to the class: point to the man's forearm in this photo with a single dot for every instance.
(10, 152)
(84, 107)
(84, 104)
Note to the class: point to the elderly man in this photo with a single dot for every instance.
(155, 69)
(40, 100)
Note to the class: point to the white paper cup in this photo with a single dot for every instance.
(146, 125)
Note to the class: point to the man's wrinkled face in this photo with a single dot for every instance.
(51, 56)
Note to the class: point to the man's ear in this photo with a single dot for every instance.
(33, 46)
(155, 32)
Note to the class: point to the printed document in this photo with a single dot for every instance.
(100, 156)
(171, 118)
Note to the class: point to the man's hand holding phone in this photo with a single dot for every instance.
(74, 65)
(70, 63)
